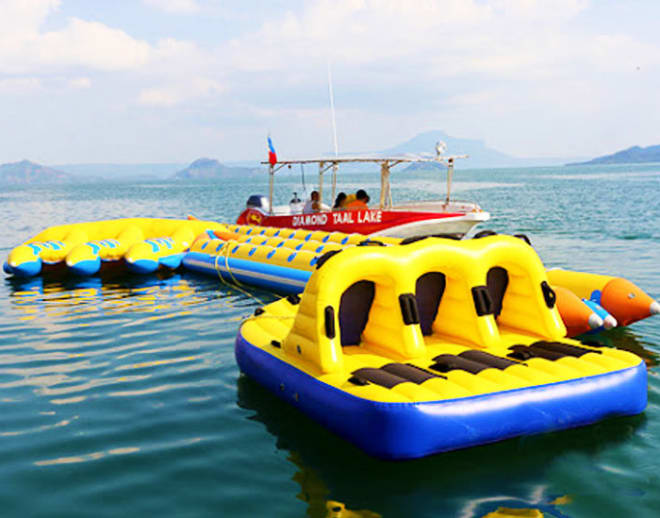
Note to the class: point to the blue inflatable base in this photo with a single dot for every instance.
(171, 261)
(410, 430)
(142, 266)
(266, 276)
(85, 268)
(23, 270)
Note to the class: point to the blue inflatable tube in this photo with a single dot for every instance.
(267, 276)
(410, 430)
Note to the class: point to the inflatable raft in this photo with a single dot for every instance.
(276, 259)
(141, 245)
(436, 345)
(282, 260)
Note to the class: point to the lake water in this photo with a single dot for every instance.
(121, 396)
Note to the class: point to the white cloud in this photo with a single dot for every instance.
(19, 85)
(24, 47)
(158, 97)
(21, 16)
(172, 94)
(432, 38)
(91, 44)
(80, 82)
(484, 66)
(497, 69)
(175, 6)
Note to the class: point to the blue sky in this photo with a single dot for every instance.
(172, 80)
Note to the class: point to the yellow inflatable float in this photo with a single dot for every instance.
(435, 345)
(143, 244)
(282, 260)
(278, 259)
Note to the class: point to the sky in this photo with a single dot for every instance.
(126, 81)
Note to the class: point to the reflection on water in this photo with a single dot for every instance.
(339, 510)
(87, 457)
(72, 298)
(467, 483)
(71, 342)
(626, 339)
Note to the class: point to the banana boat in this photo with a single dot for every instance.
(282, 260)
(140, 244)
(415, 349)
(278, 259)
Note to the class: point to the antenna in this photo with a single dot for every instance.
(334, 132)
(332, 110)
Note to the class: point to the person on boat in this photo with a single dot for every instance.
(312, 205)
(340, 202)
(361, 200)
(296, 205)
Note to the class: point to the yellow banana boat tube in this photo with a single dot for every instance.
(141, 244)
(410, 350)
(282, 260)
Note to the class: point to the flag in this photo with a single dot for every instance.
(272, 156)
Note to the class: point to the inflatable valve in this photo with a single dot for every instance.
(578, 317)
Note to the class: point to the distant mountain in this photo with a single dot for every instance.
(632, 155)
(209, 168)
(26, 172)
(479, 154)
(121, 172)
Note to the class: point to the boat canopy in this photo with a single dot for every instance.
(385, 162)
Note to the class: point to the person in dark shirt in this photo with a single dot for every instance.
(340, 202)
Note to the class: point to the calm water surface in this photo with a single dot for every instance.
(121, 395)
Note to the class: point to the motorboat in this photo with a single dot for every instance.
(405, 219)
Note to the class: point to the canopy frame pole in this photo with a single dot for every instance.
(271, 178)
(321, 169)
(450, 173)
(334, 182)
(384, 184)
